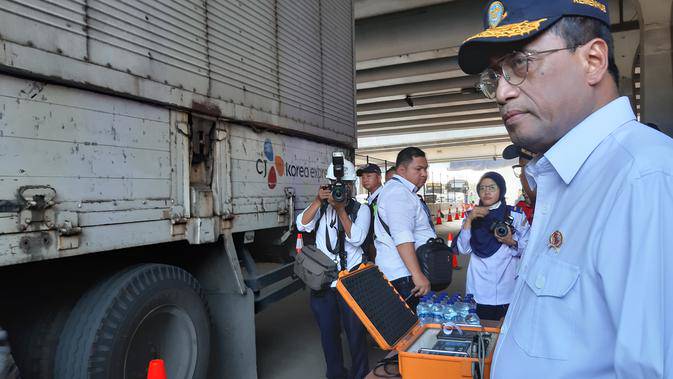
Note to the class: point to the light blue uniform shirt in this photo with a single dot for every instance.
(407, 219)
(601, 305)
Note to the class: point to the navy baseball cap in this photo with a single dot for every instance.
(514, 151)
(507, 21)
(369, 167)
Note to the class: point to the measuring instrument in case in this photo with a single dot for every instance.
(424, 351)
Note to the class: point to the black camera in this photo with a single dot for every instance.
(501, 228)
(339, 189)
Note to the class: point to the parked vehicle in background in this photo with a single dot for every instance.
(153, 153)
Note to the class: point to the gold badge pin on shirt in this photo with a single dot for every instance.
(556, 240)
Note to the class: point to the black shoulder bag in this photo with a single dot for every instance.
(434, 257)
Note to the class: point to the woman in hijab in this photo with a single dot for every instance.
(492, 271)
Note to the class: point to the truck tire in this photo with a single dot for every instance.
(146, 312)
(8, 369)
(35, 344)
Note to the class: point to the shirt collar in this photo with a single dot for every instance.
(374, 194)
(407, 184)
(570, 152)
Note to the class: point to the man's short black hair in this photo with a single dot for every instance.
(578, 30)
(407, 155)
(392, 169)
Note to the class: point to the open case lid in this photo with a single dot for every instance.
(377, 304)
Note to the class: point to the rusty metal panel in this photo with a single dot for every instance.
(161, 40)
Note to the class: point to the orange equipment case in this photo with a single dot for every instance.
(394, 326)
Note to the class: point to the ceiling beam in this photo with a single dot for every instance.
(429, 121)
(433, 66)
(416, 88)
(438, 144)
(414, 113)
(407, 58)
(419, 101)
(374, 132)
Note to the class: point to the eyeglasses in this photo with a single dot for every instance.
(513, 67)
(490, 188)
(518, 169)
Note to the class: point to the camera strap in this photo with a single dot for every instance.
(340, 248)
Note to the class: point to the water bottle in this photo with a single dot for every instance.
(472, 318)
(423, 311)
(437, 311)
(470, 300)
(462, 308)
(449, 312)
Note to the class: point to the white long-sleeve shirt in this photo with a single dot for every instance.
(359, 231)
(492, 279)
(407, 219)
(600, 305)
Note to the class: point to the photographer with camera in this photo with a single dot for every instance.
(341, 226)
(496, 235)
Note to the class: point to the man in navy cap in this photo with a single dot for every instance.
(370, 177)
(595, 292)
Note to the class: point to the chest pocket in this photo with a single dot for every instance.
(549, 309)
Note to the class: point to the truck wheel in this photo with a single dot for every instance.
(143, 313)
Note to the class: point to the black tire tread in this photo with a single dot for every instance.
(109, 299)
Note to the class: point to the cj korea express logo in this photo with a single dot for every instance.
(274, 166)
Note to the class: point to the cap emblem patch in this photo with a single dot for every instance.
(496, 12)
(510, 30)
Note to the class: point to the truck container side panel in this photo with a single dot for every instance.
(300, 59)
(264, 164)
(338, 74)
(86, 154)
(124, 37)
(240, 56)
(259, 61)
(55, 28)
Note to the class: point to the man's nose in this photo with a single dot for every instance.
(505, 91)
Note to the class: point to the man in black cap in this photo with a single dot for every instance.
(594, 294)
(527, 205)
(370, 177)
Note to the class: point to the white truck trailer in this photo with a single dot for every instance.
(152, 154)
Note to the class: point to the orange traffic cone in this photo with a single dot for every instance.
(300, 243)
(157, 370)
(449, 218)
(462, 215)
(439, 218)
(457, 214)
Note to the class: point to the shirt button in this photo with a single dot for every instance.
(540, 281)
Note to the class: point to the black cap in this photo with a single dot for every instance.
(507, 21)
(514, 151)
(369, 167)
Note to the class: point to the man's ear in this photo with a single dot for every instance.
(595, 58)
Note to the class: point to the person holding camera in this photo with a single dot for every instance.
(496, 235)
(341, 226)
